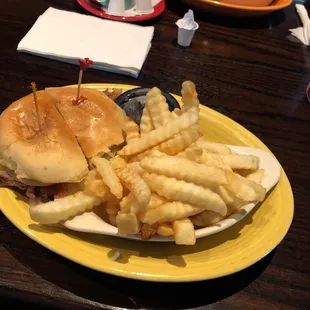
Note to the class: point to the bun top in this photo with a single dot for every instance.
(96, 121)
(49, 154)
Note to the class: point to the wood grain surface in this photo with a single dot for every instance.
(249, 69)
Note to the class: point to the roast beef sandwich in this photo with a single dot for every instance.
(41, 155)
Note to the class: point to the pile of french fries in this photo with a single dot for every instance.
(166, 180)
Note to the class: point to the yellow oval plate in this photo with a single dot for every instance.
(214, 256)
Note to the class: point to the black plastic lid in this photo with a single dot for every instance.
(133, 102)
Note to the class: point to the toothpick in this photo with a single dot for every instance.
(34, 91)
(79, 86)
(84, 64)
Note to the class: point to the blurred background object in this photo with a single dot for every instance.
(248, 2)
(132, 12)
(233, 7)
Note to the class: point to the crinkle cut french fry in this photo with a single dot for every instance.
(108, 175)
(146, 124)
(162, 133)
(185, 169)
(179, 142)
(152, 93)
(165, 230)
(112, 205)
(118, 162)
(184, 232)
(112, 220)
(129, 204)
(178, 190)
(159, 110)
(253, 175)
(169, 212)
(212, 147)
(206, 218)
(228, 196)
(213, 160)
(131, 129)
(135, 166)
(94, 184)
(189, 95)
(136, 185)
(237, 161)
(152, 152)
(127, 223)
(175, 113)
(126, 202)
(245, 189)
(53, 212)
(191, 153)
(155, 201)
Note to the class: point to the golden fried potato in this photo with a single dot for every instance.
(112, 220)
(245, 189)
(113, 93)
(212, 160)
(152, 152)
(53, 212)
(253, 175)
(156, 200)
(127, 223)
(118, 162)
(112, 205)
(191, 153)
(158, 109)
(179, 142)
(184, 232)
(228, 196)
(169, 212)
(108, 175)
(162, 133)
(184, 169)
(126, 202)
(178, 190)
(136, 185)
(94, 184)
(146, 124)
(189, 95)
(212, 147)
(152, 93)
(131, 129)
(165, 230)
(206, 218)
(175, 113)
(130, 204)
(236, 161)
(135, 166)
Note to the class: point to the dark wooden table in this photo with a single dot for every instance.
(246, 68)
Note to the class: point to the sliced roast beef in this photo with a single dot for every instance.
(8, 179)
(40, 193)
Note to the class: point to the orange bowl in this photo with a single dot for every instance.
(220, 7)
(248, 2)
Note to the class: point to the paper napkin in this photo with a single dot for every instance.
(66, 36)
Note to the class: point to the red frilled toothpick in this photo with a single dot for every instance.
(84, 64)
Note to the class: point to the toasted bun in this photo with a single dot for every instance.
(50, 155)
(97, 121)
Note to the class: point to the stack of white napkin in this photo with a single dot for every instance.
(66, 36)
